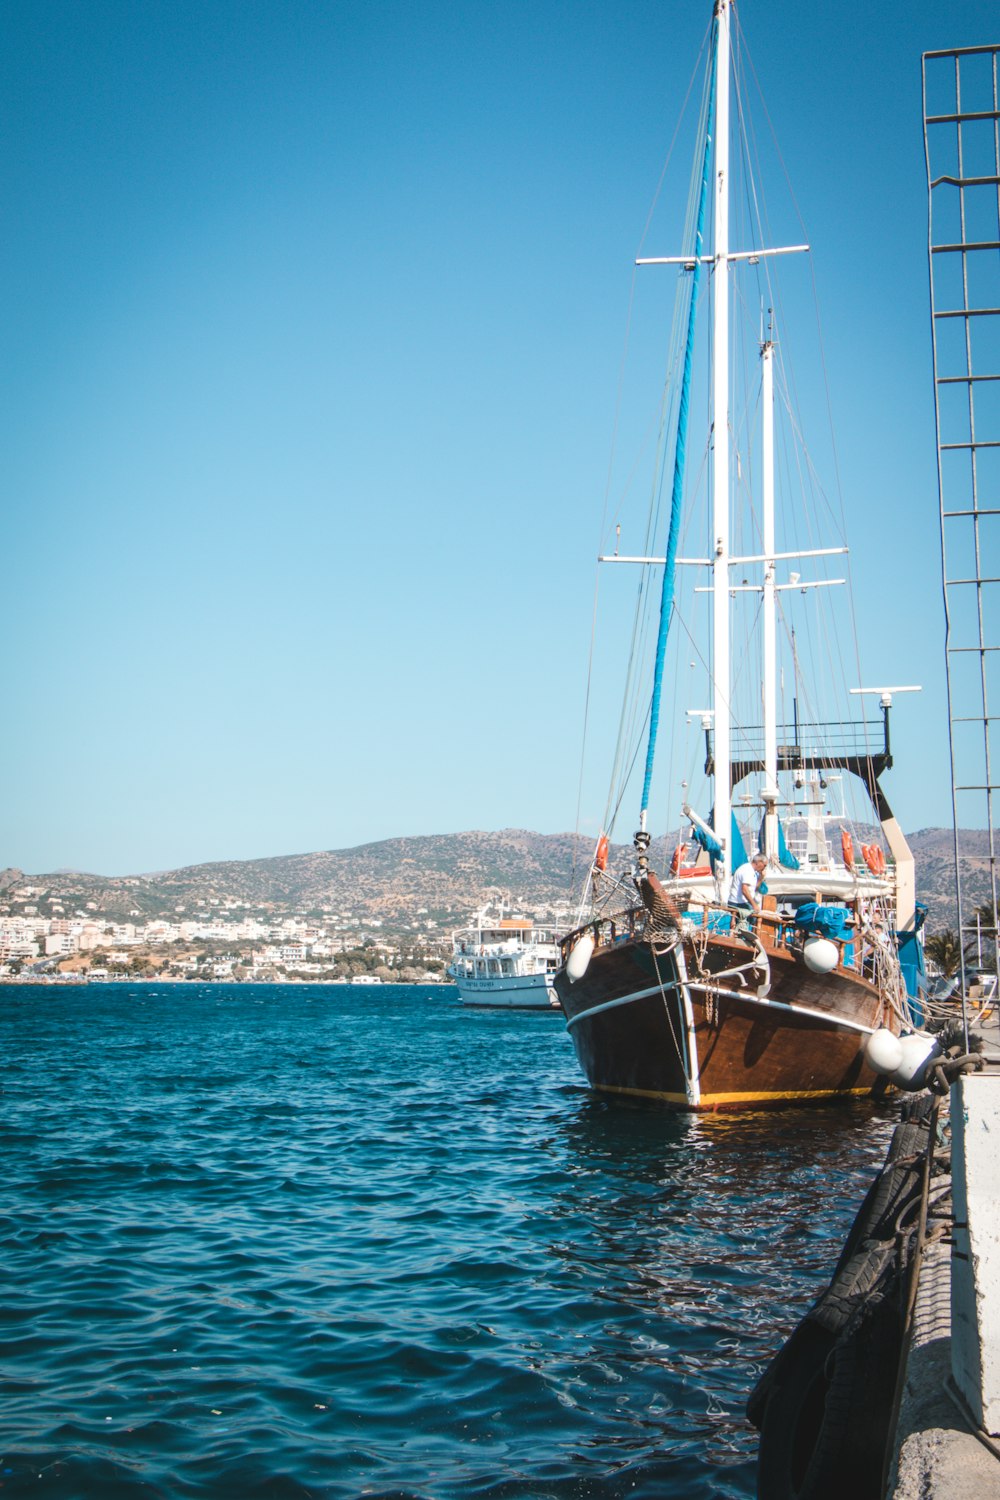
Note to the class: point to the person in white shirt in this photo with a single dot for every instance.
(746, 879)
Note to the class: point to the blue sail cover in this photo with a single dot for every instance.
(736, 844)
(786, 859)
(785, 856)
(680, 450)
(712, 846)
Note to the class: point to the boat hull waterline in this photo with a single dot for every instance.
(513, 992)
(650, 1025)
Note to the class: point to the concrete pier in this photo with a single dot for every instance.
(947, 1440)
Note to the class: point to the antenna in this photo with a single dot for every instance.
(885, 693)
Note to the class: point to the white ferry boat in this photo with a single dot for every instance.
(505, 960)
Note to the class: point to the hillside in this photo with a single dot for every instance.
(444, 875)
(934, 853)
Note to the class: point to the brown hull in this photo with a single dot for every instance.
(714, 1044)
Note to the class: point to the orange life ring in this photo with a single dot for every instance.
(601, 857)
(847, 848)
(678, 859)
(874, 858)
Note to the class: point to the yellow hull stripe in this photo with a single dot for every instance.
(752, 1098)
(709, 1101)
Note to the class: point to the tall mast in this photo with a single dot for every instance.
(720, 463)
(770, 790)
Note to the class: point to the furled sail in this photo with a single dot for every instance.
(680, 452)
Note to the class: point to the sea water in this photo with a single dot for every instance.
(335, 1242)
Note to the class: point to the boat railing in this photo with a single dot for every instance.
(484, 949)
(608, 931)
(775, 931)
(800, 743)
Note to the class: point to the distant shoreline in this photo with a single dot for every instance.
(242, 984)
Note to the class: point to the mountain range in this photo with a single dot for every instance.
(441, 876)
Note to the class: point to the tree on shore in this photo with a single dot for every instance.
(945, 950)
(981, 930)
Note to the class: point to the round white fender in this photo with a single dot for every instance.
(820, 955)
(583, 952)
(883, 1051)
(919, 1051)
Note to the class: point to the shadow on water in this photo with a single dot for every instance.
(770, 1193)
(705, 1237)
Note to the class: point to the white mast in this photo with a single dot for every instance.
(770, 789)
(720, 465)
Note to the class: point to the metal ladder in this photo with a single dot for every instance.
(961, 106)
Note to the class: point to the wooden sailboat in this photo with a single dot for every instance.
(669, 992)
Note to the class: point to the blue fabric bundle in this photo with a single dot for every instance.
(712, 846)
(828, 921)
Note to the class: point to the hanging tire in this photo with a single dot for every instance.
(792, 1435)
(824, 1404)
(824, 1431)
(897, 1182)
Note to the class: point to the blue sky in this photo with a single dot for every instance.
(309, 344)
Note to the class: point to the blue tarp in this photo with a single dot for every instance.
(911, 961)
(828, 921)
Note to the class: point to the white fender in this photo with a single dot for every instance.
(884, 1051)
(582, 953)
(919, 1051)
(820, 955)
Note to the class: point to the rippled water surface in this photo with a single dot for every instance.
(336, 1242)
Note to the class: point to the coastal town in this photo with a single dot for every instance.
(386, 911)
(40, 939)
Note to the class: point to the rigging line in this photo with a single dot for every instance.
(815, 479)
(685, 291)
(745, 52)
(814, 487)
(825, 608)
(631, 698)
(743, 676)
(666, 596)
(628, 731)
(750, 159)
(681, 1058)
(643, 608)
(586, 723)
(602, 533)
(641, 617)
(656, 421)
(627, 779)
(673, 738)
(826, 384)
(702, 658)
(673, 355)
(627, 690)
(696, 73)
(750, 181)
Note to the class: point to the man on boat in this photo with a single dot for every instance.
(746, 878)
